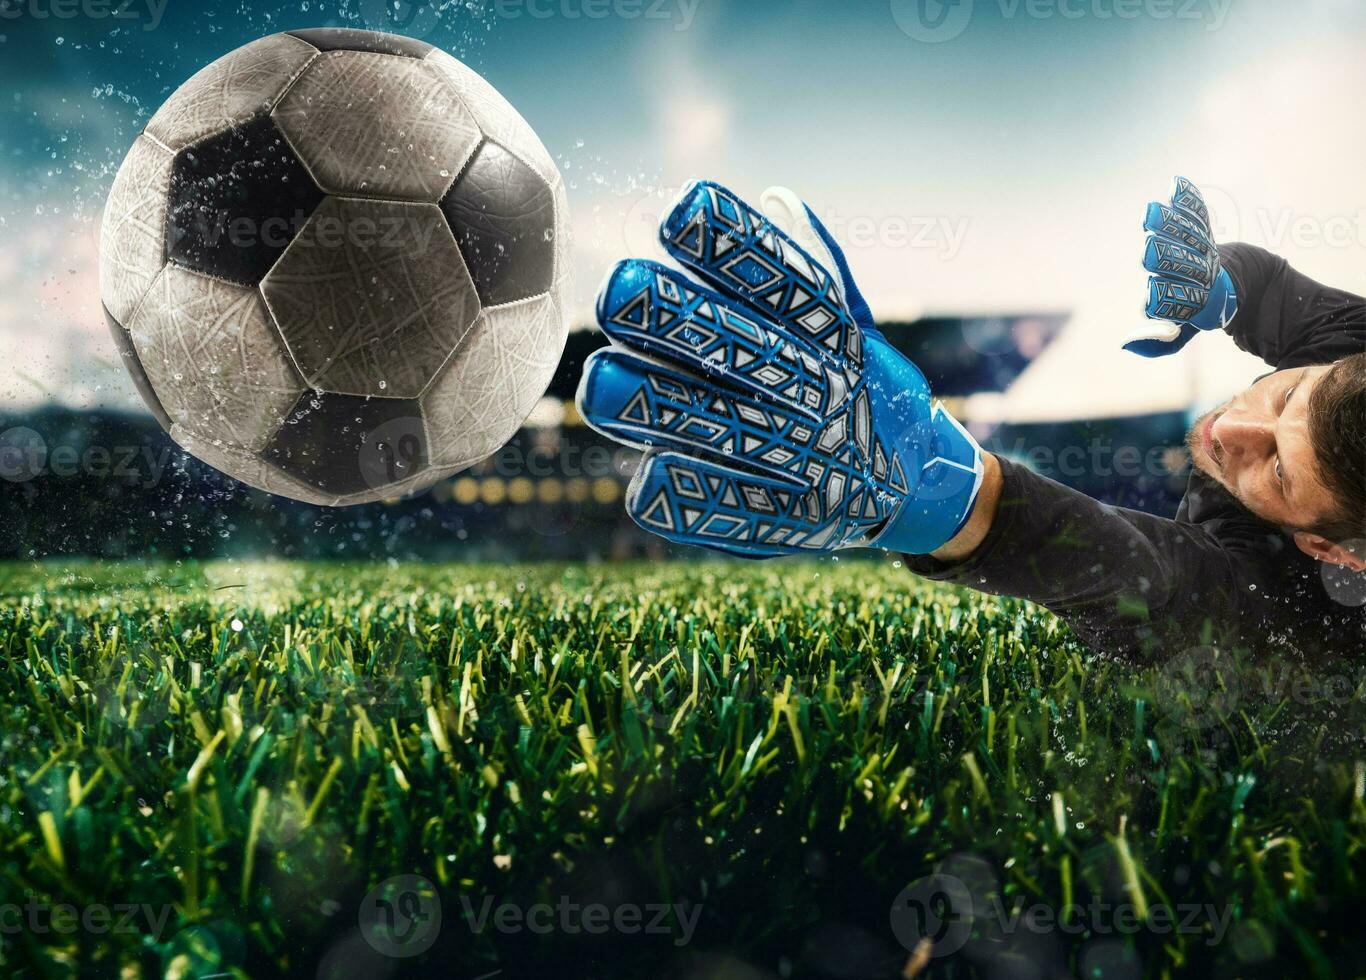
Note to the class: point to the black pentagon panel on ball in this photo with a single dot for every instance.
(503, 216)
(237, 200)
(129, 355)
(345, 444)
(373, 42)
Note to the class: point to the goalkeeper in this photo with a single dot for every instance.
(778, 420)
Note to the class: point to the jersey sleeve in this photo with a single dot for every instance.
(1128, 583)
(1286, 318)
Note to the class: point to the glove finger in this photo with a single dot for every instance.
(789, 214)
(1187, 197)
(636, 401)
(1179, 227)
(737, 250)
(1175, 301)
(697, 502)
(650, 308)
(1172, 261)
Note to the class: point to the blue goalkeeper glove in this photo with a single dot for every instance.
(778, 419)
(1189, 287)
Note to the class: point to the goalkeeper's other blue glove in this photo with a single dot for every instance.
(778, 419)
(1189, 287)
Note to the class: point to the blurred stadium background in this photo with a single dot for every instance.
(991, 210)
(112, 484)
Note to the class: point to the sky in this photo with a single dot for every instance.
(976, 158)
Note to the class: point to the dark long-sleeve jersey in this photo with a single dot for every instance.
(1149, 587)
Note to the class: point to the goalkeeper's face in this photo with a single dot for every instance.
(1259, 446)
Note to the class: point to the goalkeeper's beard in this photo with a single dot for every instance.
(1201, 459)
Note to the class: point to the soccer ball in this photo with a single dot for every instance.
(336, 264)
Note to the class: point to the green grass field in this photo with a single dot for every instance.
(226, 759)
